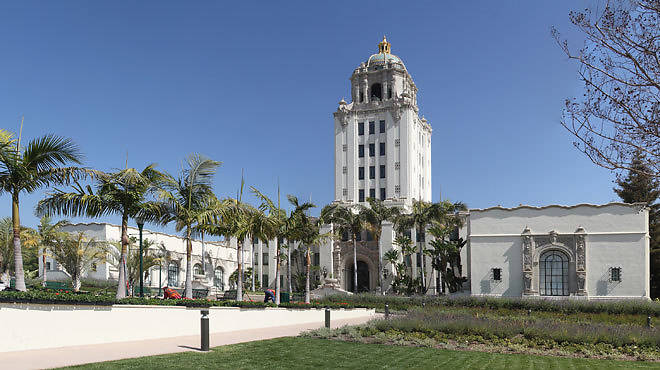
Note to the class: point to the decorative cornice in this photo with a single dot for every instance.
(638, 206)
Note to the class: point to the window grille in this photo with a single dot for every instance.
(397, 165)
(397, 142)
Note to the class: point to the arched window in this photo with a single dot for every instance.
(553, 274)
(376, 92)
(219, 278)
(172, 274)
(197, 269)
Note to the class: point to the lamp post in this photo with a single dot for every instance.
(140, 226)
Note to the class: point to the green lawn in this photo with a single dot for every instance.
(304, 353)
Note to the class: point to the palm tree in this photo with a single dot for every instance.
(48, 232)
(421, 215)
(189, 201)
(76, 253)
(375, 215)
(28, 169)
(123, 193)
(295, 225)
(349, 220)
(311, 236)
(279, 229)
(446, 251)
(149, 260)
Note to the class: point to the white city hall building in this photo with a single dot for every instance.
(383, 150)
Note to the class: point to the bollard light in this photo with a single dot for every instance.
(327, 317)
(648, 321)
(387, 311)
(205, 330)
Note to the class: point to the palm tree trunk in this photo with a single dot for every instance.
(121, 283)
(380, 266)
(309, 263)
(239, 271)
(43, 262)
(421, 257)
(355, 283)
(18, 255)
(75, 281)
(277, 271)
(254, 272)
(288, 270)
(188, 291)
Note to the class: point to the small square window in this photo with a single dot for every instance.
(372, 150)
(360, 128)
(372, 128)
(397, 165)
(372, 172)
(361, 195)
(615, 274)
(382, 148)
(344, 147)
(397, 189)
(382, 193)
(344, 170)
(382, 171)
(344, 191)
(397, 142)
(382, 126)
(361, 151)
(361, 173)
(372, 193)
(48, 266)
(497, 274)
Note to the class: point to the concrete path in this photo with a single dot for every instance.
(76, 355)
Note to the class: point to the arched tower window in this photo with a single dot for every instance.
(361, 97)
(376, 92)
(197, 269)
(553, 274)
(172, 274)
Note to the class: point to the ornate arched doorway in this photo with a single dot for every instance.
(362, 277)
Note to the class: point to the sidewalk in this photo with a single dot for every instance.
(76, 355)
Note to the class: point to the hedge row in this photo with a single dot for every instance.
(566, 306)
(70, 297)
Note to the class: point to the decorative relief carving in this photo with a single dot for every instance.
(580, 249)
(581, 282)
(528, 249)
(527, 275)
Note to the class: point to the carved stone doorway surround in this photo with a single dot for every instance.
(574, 246)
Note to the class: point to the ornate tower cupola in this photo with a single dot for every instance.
(384, 46)
(382, 146)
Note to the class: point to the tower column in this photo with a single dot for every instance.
(366, 90)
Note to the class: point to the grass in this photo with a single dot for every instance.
(308, 353)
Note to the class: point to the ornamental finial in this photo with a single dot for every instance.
(384, 46)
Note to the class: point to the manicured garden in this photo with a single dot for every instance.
(309, 353)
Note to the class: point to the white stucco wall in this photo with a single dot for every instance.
(616, 236)
(28, 326)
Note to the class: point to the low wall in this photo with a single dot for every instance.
(35, 326)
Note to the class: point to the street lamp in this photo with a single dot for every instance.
(140, 226)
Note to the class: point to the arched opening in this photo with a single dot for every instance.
(173, 274)
(362, 277)
(197, 269)
(219, 278)
(553, 274)
(376, 92)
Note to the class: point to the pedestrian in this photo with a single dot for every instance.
(269, 295)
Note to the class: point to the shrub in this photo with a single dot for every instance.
(568, 306)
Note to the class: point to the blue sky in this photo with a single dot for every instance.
(254, 85)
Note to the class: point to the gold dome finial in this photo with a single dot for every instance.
(384, 46)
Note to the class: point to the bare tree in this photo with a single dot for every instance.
(619, 63)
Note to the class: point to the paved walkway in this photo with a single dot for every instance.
(76, 355)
